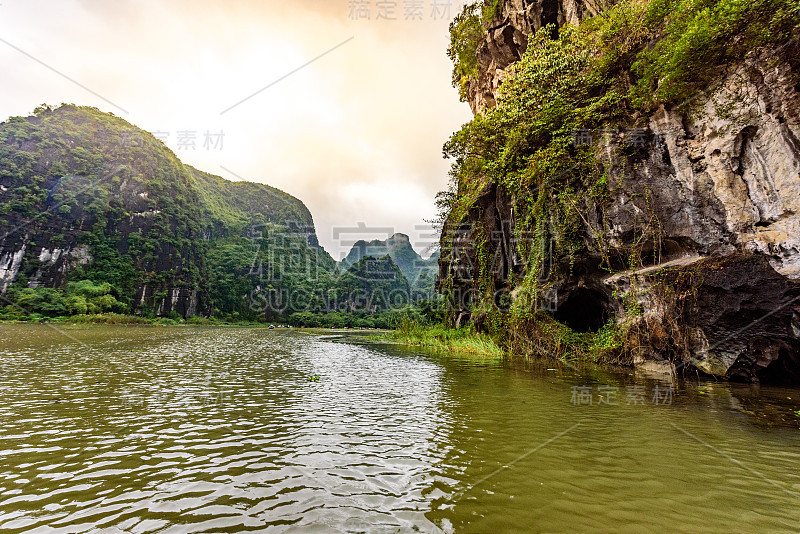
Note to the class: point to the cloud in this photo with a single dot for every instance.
(356, 135)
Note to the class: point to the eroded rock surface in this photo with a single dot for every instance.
(719, 176)
(507, 38)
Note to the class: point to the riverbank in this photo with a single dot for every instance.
(549, 340)
(123, 319)
(334, 320)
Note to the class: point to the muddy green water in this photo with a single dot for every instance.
(114, 429)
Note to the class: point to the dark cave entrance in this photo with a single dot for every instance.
(585, 310)
(549, 12)
(785, 371)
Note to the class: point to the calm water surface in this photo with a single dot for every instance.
(114, 429)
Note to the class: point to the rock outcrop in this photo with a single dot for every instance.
(507, 38)
(420, 273)
(708, 197)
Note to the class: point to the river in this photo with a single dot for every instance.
(183, 429)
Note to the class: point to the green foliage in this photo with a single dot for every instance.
(418, 272)
(601, 74)
(580, 80)
(423, 288)
(373, 284)
(89, 183)
(466, 33)
(698, 38)
(540, 334)
(233, 208)
(449, 339)
(109, 318)
(525, 145)
(373, 293)
(491, 10)
(41, 300)
(87, 167)
(79, 298)
(111, 269)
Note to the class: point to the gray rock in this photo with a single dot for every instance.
(721, 176)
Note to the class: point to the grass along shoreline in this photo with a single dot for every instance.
(464, 340)
(451, 339)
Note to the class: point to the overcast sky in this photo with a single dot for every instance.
(356, 134)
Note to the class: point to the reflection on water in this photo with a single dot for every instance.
(115, 429)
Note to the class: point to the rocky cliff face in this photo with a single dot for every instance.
(724, 179)
(507, 38)
(707, 195)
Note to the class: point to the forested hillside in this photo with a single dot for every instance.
(100, 216)
(419, 273)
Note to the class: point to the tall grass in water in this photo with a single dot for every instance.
(452, 339)
(108, 318)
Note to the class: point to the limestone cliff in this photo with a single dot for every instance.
(706, 196)
(507, 37)
(419, 272)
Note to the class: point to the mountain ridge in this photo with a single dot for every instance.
(85, 193)
(418, 271)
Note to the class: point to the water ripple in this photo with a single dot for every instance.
(220, 430)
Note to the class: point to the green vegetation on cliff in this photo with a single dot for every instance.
(87, 198)
(603, 75)
(466, 33)
(418, 272)
(100, 217)
(67, 176)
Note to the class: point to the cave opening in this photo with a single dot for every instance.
(585, 310)
(550, 13)
(784, 371)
